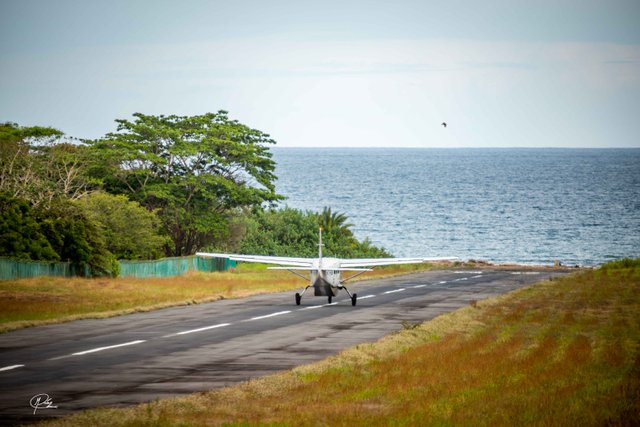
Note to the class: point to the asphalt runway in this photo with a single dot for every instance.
(51, 371)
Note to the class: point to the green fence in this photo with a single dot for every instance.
(13, 269)
(20, 269)
(166, 267)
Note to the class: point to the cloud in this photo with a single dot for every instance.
(367, 93)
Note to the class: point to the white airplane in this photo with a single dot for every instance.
(324, 273)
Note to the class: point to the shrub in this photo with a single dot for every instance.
(622, 263)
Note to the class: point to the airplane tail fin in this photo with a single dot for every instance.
(320, 245)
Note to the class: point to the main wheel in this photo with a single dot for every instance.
(298, 298)
(354, 298)
(330, 299)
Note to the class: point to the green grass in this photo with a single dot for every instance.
(562, 352)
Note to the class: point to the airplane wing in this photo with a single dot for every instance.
(375, 262)
(316, 268)
(263, 259)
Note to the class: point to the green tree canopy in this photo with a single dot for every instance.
(334, 222)
(12, 133)
(62, 232)
(130, 231)
(193, 170)
(20, 233)
(39, 164)
(77, 238)
(281, 232)
(292, 232)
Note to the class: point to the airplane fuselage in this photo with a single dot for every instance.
(327, 279)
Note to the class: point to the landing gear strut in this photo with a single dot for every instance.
(354, 297)
(299, 296)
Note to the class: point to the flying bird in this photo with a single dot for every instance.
(444, 124)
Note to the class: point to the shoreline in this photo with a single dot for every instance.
(473, 263)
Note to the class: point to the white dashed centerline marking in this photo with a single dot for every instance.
(312, 307)
(316, 306)
(270, 315)
(394, 291)
(8, 368)
(206, 328)
(94, 350)
(419, 286)
(366, 296)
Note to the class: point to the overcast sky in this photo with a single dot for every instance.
(501, 73)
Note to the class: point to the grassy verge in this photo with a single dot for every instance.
(42, 300)
(562, 352)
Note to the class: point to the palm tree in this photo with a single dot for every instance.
(334, 221)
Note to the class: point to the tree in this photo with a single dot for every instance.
(193, 170)
(340, 240)
(39, 164)
(334, 222)
(20, 233)
(77, 238)
(281, 232)
(291, 232)
(130, 231)
(62, 232)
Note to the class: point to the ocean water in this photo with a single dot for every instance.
(529, 206)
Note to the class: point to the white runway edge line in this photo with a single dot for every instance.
(8, 368)
(394, 291)
(206, 328)
(270, 315)
(94, 350)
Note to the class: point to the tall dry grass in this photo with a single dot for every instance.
(563, 352)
